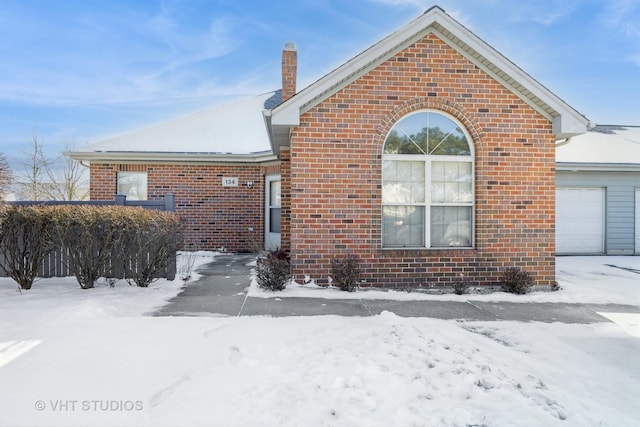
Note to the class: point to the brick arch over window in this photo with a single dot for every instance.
(427, 103)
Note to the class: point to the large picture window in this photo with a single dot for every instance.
(427, 190)
(133, 185)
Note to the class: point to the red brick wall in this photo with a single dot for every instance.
(336, 174)
(213, 216)
(289, 71)
(285, 201)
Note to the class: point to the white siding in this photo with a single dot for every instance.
(637, 220)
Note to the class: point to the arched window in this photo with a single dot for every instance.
(427, 183)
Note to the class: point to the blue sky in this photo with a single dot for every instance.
(75, 71)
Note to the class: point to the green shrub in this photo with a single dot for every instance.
(25, 240)
(346, 271)
(273, 270)
(516, 281)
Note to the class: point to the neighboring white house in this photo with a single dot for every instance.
(598, 192)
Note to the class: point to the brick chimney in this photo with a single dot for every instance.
(289, 70)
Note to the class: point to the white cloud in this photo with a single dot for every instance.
(542, 11)
(618, 12)
(461, 17)
(418, 4)
(189, 45)
(635, 59)
(121, 54)
(622, 17)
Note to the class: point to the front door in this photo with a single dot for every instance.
(272, 212)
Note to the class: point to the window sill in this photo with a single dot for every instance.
(444, 251)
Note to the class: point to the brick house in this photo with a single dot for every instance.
(428, 155)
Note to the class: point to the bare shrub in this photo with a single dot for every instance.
(149, 242)
(516, 281)
(89, 233)
(25, 240)
(346, 271)
(185, 265)
(461, 285)
(273, 270)
(111, 281)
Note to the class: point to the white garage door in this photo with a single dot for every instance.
(638, 220)
(580, 220)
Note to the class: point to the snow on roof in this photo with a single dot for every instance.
(602, 144)
(234, 128)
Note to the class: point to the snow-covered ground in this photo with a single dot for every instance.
(586, 279)
(72, 357)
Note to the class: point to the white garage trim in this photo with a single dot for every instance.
(580, 216)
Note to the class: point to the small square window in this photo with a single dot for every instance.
(133, 185)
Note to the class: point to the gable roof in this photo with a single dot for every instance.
(229, 133)
(604, 148)
(566, 120)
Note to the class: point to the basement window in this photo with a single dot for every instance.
(427, 183)
(133, 185)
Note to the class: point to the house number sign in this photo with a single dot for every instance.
(229, 181)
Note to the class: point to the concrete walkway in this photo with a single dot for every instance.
(222, 291)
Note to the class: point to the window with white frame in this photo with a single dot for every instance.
(133, 185)
(427, 183)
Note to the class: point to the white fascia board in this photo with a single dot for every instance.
(566, 126)
(566, 122)
(266, 116)
(288, 113)
(150, 157)
(288, 116)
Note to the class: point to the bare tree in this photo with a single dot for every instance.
(68, 182)
(6, 176)
(32, 181)
(53, 179)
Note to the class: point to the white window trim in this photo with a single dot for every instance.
(271, 240)
(120, 174)
(427, 204)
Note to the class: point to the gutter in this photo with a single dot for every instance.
(165, 157)
(597, 167)
(266, 115)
